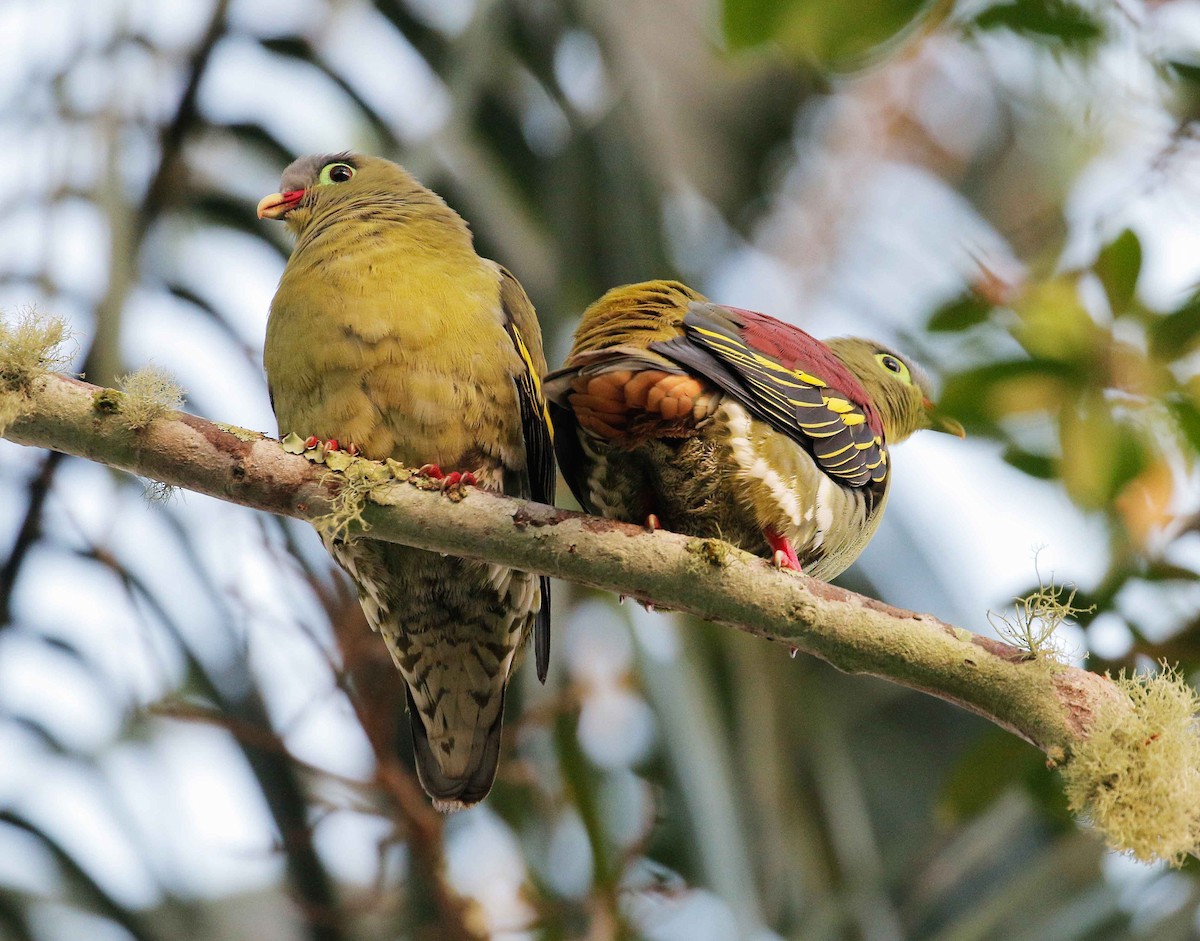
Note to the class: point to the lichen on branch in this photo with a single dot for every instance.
(1136, 776)
(1036, 617)
(29, 347)
(150, 393)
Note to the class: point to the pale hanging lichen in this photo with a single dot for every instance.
(357, 480)
(31, 345)
(1136, 776)
(156, 491)
(1036, 617)
(145, 395)
(149, 393)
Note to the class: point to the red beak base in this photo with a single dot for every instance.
(278, 205)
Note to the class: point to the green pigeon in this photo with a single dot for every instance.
(390, 337)
(719, 422)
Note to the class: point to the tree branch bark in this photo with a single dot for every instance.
(1052, 706)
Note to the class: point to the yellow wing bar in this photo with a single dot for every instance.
(794, 402)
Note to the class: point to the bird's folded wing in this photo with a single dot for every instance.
(793, 401)
(536, 429)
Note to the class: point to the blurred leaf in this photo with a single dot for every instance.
(1043, 20)
(960, 314)
(997, 762)
(1040, 466)
(295, 47)
(225, 210)
(1187, 417)
(1175, 334)
(1118, 266)
(1055, 325)
(1144, 503)
(1160, 571)
(48, 739)
(302, 51)
(981, 396)
(1188, 71)
(833, 34)
(428, 42)
(751, 22)
(1100, 454)
(255, 135)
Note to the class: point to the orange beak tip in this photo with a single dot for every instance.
(940, 422)
(278, 205)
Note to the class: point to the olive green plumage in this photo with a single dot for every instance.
(725, 423)
(390, 334)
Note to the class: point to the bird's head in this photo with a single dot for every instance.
(323, 187)
(899, 388)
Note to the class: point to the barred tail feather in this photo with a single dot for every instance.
(451, 792)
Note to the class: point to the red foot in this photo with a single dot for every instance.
(312, 441)
(452, 479)
(652, 522)
(784, 553)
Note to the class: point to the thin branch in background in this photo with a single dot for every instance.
(129, 226)
(28, 534)
(314, 892)
(187, 116)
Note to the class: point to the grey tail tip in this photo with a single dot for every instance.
(450, 794)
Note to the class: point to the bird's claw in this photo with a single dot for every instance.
(331, 444)
(450, 480)
(783, 555)
(782, 560)
(652, 522)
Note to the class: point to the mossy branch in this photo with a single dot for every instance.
(1064, 711)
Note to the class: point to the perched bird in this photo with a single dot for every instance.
(391, 336)
(718, 422)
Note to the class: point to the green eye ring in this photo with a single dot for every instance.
(335, 173)
(895, 366)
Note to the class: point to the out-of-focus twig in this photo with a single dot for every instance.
(28, 534)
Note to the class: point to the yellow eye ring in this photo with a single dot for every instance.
(335, 173)
(895, 365)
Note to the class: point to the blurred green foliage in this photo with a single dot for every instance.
(1054, 21)
(834, 36)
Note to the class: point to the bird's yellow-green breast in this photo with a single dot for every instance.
(388, 332)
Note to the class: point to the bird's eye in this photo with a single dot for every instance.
(336, 173)
(894, 365)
